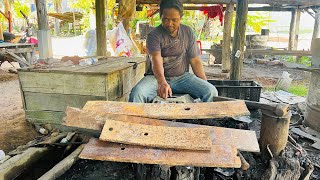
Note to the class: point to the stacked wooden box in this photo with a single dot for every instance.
(47, 92)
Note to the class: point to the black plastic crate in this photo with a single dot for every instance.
(247, 90)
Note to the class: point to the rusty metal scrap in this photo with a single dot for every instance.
(218, 156)
(243, 140)
(171, 111)
(197, 138)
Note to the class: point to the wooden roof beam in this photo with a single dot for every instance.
(271, 2)
(266, 8)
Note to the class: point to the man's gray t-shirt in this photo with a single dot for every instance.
(175, 51)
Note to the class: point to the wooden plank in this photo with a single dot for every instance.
(56, 102)
(63, 83)
(271, 2)
(265, 8)
(18, 50)
(218, 156)
(156, 136)
(19, 59)
(103, 66)
(60, 168)
(15, 45)
(171, 111)
(243, 140)
(50, 117)
(19, 163)
(272, 52)
(115, 64)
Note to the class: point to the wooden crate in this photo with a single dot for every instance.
(47, 92)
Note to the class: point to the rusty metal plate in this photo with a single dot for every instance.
(171, 111)
(156, 136)
(218, 156)
(243, 140)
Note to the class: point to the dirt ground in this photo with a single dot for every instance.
(14, 129)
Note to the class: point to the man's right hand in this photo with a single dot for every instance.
(164, 90)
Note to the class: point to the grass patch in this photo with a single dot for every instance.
(299, 89)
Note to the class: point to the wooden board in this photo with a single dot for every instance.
(56, 102)
(243, 140)
(113, 65)
(122, 81)
(156, 136)
(52, 117)
(218, 156)
(63, 83)
(171, 111)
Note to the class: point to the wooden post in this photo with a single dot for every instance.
(226, 51)
(273, 134)
(237, 54)
(44, 37)
(101, 27)
(296, 37)
(1, 33)
(292, 29)
(313, 100)
(316, 30)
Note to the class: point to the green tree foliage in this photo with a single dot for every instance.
(87, 5)
(256, 20)
(20, 6)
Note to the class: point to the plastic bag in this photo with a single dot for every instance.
(284, 82)
(90, 43)
(119, 41)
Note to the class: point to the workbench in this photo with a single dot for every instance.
(47, 92)
(20, 52)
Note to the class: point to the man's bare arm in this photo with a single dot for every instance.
(164, 89)
(197, 68)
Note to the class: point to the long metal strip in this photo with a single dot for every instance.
(218, 156)
(171, 111)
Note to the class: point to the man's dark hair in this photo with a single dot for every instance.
(176, 4)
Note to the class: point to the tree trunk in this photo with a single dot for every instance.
(239, 40)
(57, 8)
(101, 27)
(227, 38)
(42, 15)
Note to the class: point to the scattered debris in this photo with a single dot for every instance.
(282, 97)
(2, 155)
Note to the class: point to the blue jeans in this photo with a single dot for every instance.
(146, 89)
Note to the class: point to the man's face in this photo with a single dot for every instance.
(171, 19)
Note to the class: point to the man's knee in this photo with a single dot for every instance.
(210, 93)
(136, 94)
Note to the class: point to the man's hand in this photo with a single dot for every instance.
(164, 90)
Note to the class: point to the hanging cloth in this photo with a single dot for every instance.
(214, 11)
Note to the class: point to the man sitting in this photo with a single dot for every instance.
(171, 48)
